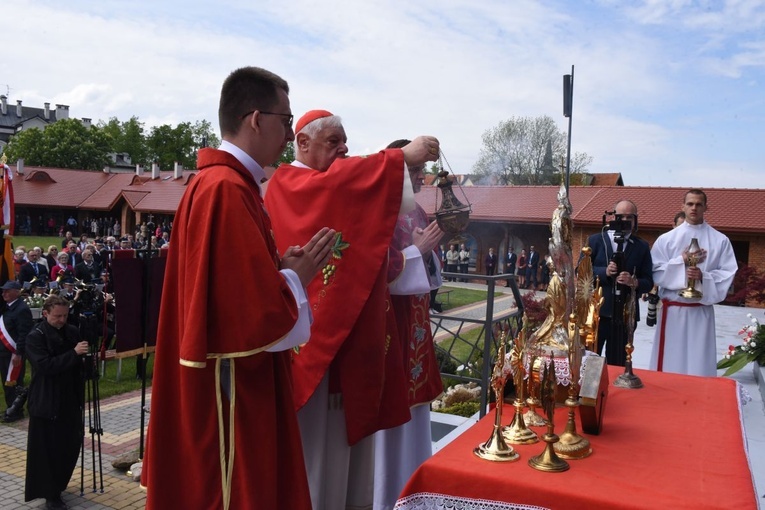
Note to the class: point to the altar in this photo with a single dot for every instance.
(677, 443)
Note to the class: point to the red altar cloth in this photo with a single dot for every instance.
(677, 443)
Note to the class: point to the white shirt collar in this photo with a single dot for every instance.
(245, 159)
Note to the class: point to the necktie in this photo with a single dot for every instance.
(34, 265)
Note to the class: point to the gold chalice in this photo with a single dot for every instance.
(694, 252)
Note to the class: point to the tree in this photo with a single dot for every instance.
(288, 155)
(524, 150)
(128, 137)
(66, 143)
(167, 144)
(27, 144)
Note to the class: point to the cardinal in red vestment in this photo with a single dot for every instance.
(349, 379)
(223, 432)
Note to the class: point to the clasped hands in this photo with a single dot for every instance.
(426, 239)
(308, 259)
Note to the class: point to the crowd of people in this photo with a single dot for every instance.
(64, 284)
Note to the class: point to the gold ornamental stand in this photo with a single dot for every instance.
(548, 460)
(531, 417)
(517, 432)
(572, 445)
(495, 449)
(629, 380)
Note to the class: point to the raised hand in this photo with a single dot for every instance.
(422, 149)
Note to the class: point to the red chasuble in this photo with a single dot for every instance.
(413, 320)
(354, 333)
(205, 450)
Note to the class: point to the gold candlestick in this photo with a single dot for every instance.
(517, 432)
(532, 418)
(571, 444)
(628, 379)
(694, 252)
(548, 460)
(495, 448)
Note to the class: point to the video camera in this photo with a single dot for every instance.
(621, 224)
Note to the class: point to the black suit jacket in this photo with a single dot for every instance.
(27, 272)
(18, 322)
(510, 260)
(85, 273)
(637, 260)
(533, 262)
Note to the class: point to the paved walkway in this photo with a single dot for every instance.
(120, 417)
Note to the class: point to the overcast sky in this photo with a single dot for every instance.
(667, 92)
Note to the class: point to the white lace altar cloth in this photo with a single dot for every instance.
(562, 370)
(433, 501)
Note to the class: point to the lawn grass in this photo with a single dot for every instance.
(460, 297)
(462, 348)
(43, 242)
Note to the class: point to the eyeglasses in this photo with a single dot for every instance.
(289, 116)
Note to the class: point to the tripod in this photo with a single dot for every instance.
(619, 292)
(91, 399)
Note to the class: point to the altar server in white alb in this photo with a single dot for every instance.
(684, 342)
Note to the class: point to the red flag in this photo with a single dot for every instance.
(8, 219)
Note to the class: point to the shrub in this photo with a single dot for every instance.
(464, 409)
(534, 309)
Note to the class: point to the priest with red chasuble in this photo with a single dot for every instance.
(349, 379)
(223, 432)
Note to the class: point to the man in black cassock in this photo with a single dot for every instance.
(55, 404)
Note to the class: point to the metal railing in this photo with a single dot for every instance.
(453, 328)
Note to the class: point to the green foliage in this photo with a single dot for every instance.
(167, 144)
(288, 156)
(515, 152)
(445, 363)
(64, 144)
(464, 409)
(69, 144)
(27, 144)
(128, 137)
(751, 348)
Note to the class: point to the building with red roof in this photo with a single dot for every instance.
(502, 216)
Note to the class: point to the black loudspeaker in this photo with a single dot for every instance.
(593, 394)
(567, 95)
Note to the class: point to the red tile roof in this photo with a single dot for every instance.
(730, 209)
(82, 189)
(56, 187)
(607, 180)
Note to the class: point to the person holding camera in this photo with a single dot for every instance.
(623, 263)
(56, 396)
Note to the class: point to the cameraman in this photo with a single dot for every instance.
(55, 403)
(634, 259)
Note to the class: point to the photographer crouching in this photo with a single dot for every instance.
(55, 403)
